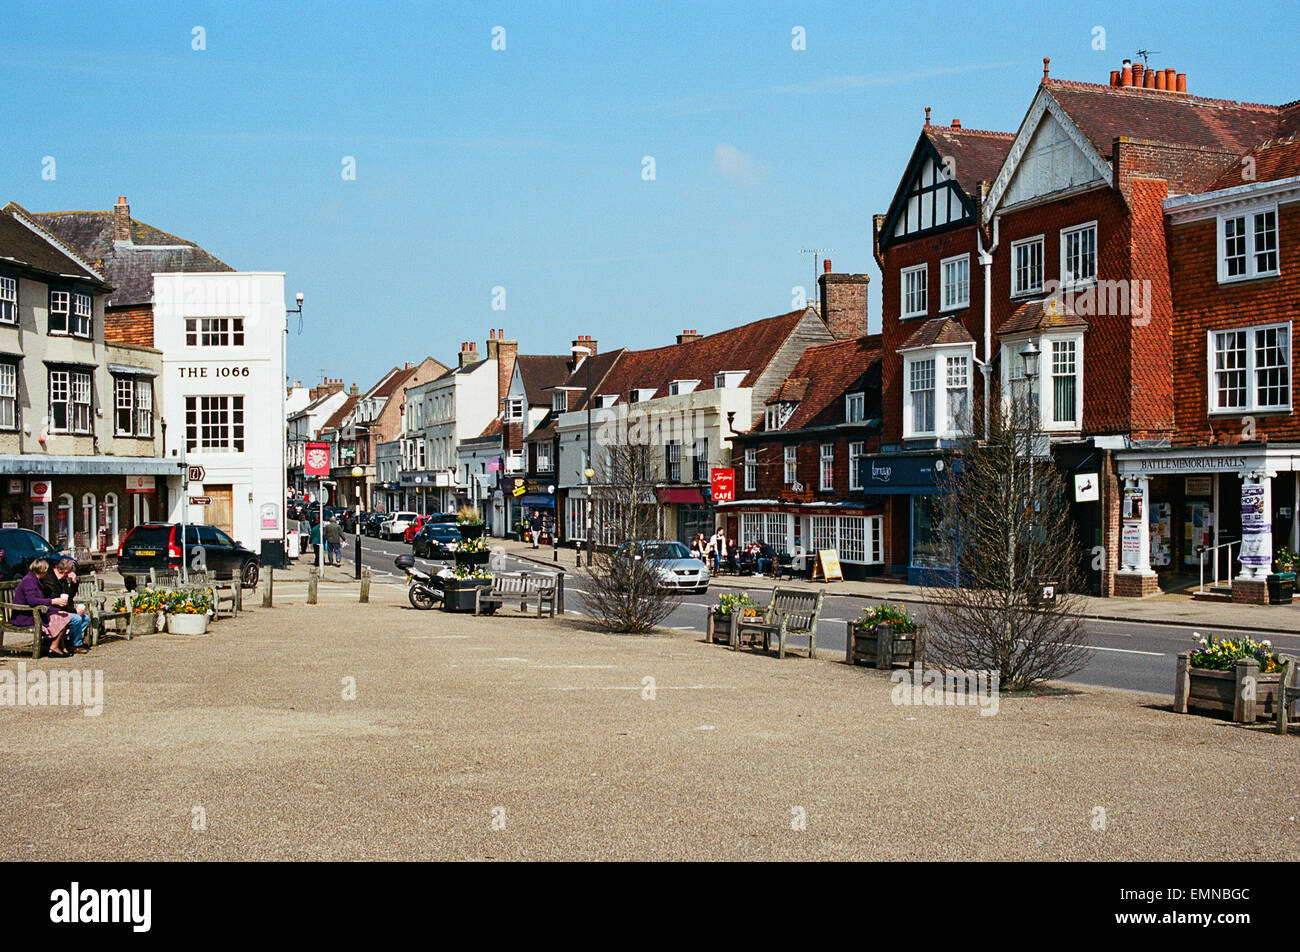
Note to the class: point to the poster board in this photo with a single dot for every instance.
(828, 565)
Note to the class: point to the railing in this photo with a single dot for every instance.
(1201, 550)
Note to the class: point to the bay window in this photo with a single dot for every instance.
(920, 397)
(1056, 392)
(133, 406)
(1250, 369)
(938, 382)
(1248, 245)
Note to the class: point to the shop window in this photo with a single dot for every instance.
(930, 547)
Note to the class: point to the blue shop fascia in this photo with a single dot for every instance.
(906, 485)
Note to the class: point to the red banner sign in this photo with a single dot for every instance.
(724, 485)
(316, 460)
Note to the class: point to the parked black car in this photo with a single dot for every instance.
(435, 540)
(18, 547)
(371, 522)
(156, 545)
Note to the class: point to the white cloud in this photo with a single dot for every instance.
(738, 167)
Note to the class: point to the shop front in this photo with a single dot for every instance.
(1211, 513)
(906, 487)
(688, 512)
(854, 532)
(523, 496)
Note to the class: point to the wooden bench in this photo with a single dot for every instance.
(1288, 692)
(522, 586)
(882, 647)
(226, 599)
(98, 601)
(8, 608)
(164, 579)
(791, 612)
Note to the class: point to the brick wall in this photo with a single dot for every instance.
(771, 469)
(844, 304)
(130, 325)
(1201, 304)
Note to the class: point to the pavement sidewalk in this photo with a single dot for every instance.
(1172, 608)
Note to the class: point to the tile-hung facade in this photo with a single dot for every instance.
(799, 473)
(934, 349)
(80, 436)
(1229, 481)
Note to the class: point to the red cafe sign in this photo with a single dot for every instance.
(316, 460)
(723, 482)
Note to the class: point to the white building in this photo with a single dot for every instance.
(222, 336)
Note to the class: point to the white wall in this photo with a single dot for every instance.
(254, 371)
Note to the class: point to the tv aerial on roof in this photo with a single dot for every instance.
(1147, 53)
(816, 253)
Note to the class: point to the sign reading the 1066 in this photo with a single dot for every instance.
(316, 460)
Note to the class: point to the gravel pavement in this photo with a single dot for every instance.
(513, 738)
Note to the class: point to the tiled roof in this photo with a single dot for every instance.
(1104, 112)
(1041, 315)
(576, 381)
(792, 390)
(939, 330)
(24, 241)
(830, 371)
(492, 429)
(129, 267)
(749, 347)
(338, 416)
(1274, 160)
(540, 372)
(977, 154)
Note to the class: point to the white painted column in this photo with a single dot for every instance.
(1139, 562)
(1257, 546)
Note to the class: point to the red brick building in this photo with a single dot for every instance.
(1076, 231)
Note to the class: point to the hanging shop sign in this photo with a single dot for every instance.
(139, 484)
(42, 491)
(316, 460)
(1087, 487)
(723, 484)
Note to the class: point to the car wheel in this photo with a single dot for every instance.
(248, 575)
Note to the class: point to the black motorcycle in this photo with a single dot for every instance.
(423, 591)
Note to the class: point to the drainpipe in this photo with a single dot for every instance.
(986, 261)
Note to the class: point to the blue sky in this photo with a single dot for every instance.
(522, 168)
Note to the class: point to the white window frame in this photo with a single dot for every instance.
(1030, 289)
(903, 275)
(672, 462)
(944, 428)
(1252, 404)
(214, 332)
(1011, 348)
(1252, 270)
(790, 461)
(8, 395)
(857, 450)
(852, 402)
(61, 304)
(81, 320)
(700, 459)
(560, 401)
(8, 300)
(944, 286)
(1068, 283)
(227, 433)
(751, 469)
(826, 467)
(777, 415)
(514, 409)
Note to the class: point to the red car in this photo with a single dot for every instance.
(414, 527)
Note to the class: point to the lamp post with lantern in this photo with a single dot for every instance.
(589, 473)
(357, 473)
(1029, 355)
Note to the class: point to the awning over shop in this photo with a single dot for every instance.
(89, 466)
(686, 495)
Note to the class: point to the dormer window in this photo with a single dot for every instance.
(729, 379)
(778, 414)
(514, 409)
(678, 387)
(855, 407)
(604, 400)
(636, 396)
(560, 401)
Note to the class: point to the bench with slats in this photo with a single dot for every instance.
(1288, 691)
(523, 587)
(791, 612)
(9, 608)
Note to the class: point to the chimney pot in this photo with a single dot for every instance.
(826, 266)
(1149, 79)
(1126, 74)
(956, 123)
(1182, 82)
(1171, 79)
(1137, 73)
(1114, 77)
(927, 115)
(1160, 79)
(1047, 63)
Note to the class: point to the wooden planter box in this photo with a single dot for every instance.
(1242, 693)
(718, 628)
(458, 595)
(881, 648)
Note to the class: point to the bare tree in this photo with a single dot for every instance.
(1004, 517)
(626, 593)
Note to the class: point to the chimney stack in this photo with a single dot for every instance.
(469, 353)
(504, 353)
(584, 340)
(353, 391)
(121, 220)
(685, 336)
(844, 303)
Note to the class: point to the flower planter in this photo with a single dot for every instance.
(143, 623)
(718, 628)
(471, 530)
(881, 648)
(473, 558)
(188, 624)
(458, 594)
(1242, 692)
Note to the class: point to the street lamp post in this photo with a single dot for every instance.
(357, 473)
(1029, 358)
(589, 472)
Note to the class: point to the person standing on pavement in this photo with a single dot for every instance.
(333, 537)
(535, 527)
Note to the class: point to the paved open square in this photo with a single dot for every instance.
(347, 731)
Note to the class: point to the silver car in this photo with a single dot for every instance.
(677, 569)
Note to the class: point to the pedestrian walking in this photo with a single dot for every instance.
(333, 536)
(535, 526)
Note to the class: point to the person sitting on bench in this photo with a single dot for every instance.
(29, 593)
